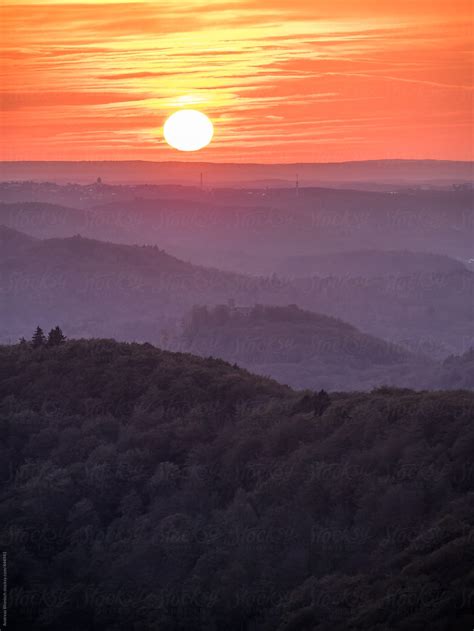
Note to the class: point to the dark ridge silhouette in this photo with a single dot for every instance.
(302, 349)
(148, 489)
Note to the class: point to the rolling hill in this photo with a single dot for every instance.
(48, 220)
(148, 489)
(370, 264)
(248, 230)
(92, 288)
(301, 348)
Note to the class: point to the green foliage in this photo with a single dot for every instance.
(145, 490)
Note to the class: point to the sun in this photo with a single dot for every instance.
(188, 130)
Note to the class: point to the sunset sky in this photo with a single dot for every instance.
(282, 80)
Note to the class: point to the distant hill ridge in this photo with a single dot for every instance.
(370, 264)
(132, 292)
(300, 348)
(142, 171)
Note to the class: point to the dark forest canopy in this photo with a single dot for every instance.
(145, 490)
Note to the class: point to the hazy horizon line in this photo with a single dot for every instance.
(196, 162)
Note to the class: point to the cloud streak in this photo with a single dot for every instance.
(322, 80)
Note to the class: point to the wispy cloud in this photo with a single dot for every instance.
(338, 80)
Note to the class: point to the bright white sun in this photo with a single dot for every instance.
(188, 130)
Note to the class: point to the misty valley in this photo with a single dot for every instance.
(247, 407)
(368, 288)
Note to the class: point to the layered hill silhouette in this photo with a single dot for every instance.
(309, 350)
(13, 242)
(163, 491)
(90, 287)
(51, 220)
(247, 230)
(369, 171)
(370, 264)
(301, 348)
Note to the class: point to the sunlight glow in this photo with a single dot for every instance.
(188, 130)
(337, 81)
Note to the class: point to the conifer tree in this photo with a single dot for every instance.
(56, 337)
(38, 338)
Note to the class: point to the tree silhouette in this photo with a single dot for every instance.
(321, 401)
(38, 338)
(56, 337)
(316, 403)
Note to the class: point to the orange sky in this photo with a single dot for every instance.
(282, 80)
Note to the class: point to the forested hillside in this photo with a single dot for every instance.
(309, 350)
(95, 289)
(252, 230)
(145, 490)
(301, 348)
